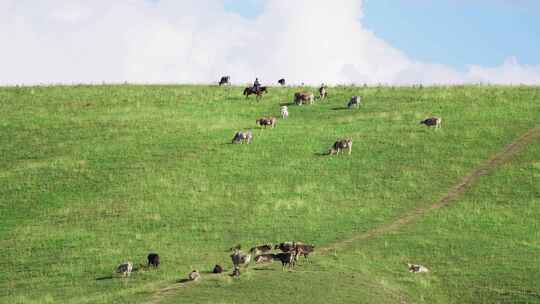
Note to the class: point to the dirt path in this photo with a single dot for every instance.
(466, 183)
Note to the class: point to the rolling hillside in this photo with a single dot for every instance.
(91, 176)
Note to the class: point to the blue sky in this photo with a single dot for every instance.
(451, 32)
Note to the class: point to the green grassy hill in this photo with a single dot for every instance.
(91, 176)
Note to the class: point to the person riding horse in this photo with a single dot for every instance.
(256, 89)
(256, 85)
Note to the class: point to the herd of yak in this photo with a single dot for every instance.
(289, 252)
(246, 136)
(288, 255)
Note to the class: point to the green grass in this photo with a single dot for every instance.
(91, 176)
(483, 249)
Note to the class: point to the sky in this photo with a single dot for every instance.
(310, 41)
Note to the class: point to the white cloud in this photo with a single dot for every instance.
(312, 41)
(509, 72)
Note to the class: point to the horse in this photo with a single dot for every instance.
(251, 90)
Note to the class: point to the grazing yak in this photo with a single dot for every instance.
(323, 93)
(153, 260)
(241, 137)
(240, 259)
(303, 97)
(284, 111)
(354, 102)
(288, 246)
(341, 144)
(298, 248)
(281, 81)
(266, 121)
(264, 258)
(217, 269)
(303, 249)
(260, 249)
(225, 80)
(417, 268)
(125, 268)
(285, 246)
(286, 258)
(432, 121)
(194, 275)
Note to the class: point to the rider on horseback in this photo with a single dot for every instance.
(256, 85)
(256, 89)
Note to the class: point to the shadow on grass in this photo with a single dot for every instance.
(211, 272)
(237, 144)
(263, 269)
(140, 268)
(183, 281)
(321, 154)
(340, 108)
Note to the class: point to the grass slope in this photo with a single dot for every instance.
(482, 249)
(93, 175)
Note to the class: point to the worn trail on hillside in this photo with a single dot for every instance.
(466, 183)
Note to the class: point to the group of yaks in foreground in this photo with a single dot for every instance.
(288, 256)
(126, 268)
